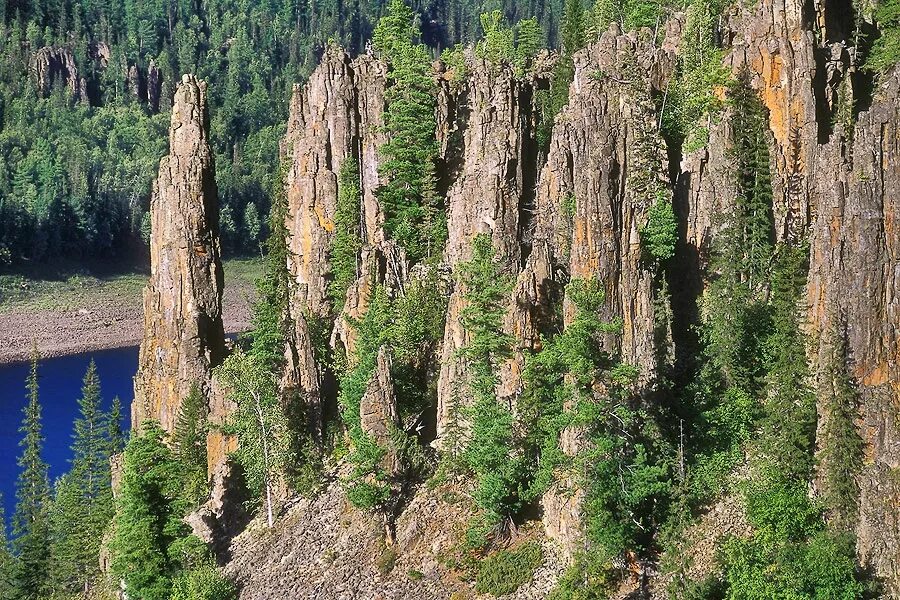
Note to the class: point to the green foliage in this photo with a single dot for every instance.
(488, 451)
(83, 503)
(790, 554)
(31, 527)
(203, 582)
(529, 41)
(347, 240)
(270, 311)
(629, 14)
(840, 442)
(789, 424)
(410, 326)
(589, 578)
(552, 101)
(505, 571)
(885, 51)
(413, 213)
(497, 44)
(189, 445)
(454, 59)
(696, 92)
(660, 234)
(149, 535)
(259, 423)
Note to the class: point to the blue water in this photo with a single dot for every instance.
(59, 380)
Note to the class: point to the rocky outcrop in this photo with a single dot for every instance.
(605, 167)
(378, 411)
(323, 548)
(853, 286)
(336, 115)
(493, 187)
(53, 64)
(183, 333)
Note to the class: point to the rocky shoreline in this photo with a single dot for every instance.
(99, 323)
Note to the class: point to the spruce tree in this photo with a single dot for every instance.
(31, 532)
(413, 212)
(83, 503)
(841, 443)
(114, 433)
(149, 542)
(189, 444)
(7, 563)
(347, 240)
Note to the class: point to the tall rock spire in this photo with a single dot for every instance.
(183, 333)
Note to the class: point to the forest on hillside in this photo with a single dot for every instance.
(75, 172)
(730, 414)
(77, 157)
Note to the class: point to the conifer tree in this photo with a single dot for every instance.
(413, 213)
(31, 532)
(7, 564)
(149, 542)
(83, 504)
(189, 444)
(270, 310)
(529, 41)
(347, 240)
(114, 434)
(841, 443)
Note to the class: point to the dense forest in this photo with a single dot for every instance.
(737, 419)
(85, 94)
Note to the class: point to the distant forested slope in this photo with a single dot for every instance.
(85, 88)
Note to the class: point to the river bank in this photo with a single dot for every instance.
(84, 312)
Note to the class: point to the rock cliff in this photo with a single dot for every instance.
(575, 209)
(183, 334)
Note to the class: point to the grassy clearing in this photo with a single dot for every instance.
(69, 289)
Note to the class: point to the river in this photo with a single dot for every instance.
(60, 381)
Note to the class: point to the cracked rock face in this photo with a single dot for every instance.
(853, 285)
(183, 333)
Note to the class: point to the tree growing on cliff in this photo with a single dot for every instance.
(31, 527)
(489, 451)
(347, 241)
(189, 444)
(151, 543)
(413, 212)
(841, 443)
(259, 423)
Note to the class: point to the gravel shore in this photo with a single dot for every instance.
(98, 316)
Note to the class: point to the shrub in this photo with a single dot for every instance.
(204, 582)
(505, 571)
(660, 234)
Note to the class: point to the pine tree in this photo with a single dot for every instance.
(413, 213)
(347, 240)
(114, 434)
(189, 444)
(149, 531)
(841, 443)
(529, 41)
(7, 563)
(83, 505)
(31, 534)
(270, 310)
(789, 424)
(573, 34)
